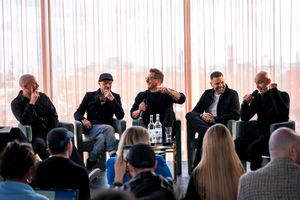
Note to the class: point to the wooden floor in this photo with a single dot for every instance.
(182, 180)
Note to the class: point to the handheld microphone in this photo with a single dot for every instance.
(254, 93)
(142, 112)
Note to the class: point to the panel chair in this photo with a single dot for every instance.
(246, 127)
(85, 144)
(27, 130)
(139, 122)
(192, 141)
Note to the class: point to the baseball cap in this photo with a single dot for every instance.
(106, 76)
(58, 138)
(141, 156)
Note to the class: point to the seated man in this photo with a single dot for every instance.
(156, 100)
(35, 109)
(100, 106)
(59, 171)
(271, 106)
(217, 105)
(144, 182)
(279, 179)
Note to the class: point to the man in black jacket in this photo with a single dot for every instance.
(271, 106)
(100, 107)
(217, 105)
(145, 184)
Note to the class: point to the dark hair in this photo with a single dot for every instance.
(158, 74)
(114, 194)
(215, 74)
(16, 161)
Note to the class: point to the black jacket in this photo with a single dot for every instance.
(270, 107)
(147, 185)
(97, 113)
(41, 116)
(228, 107)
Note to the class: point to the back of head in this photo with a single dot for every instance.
(141, 156)
(132, 136)
(17, 160)
(219, 170)
(114, 194)
(215, 74)
(282, 143)
(58, 139)
(24, 79)
(158, 74)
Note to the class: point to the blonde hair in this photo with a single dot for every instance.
(218, 173)
(132, 136)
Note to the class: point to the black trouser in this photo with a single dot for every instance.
(40, 147)
(200, 127)
(168, 120)
(251, 147)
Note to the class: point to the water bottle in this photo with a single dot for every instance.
(158, 128)
(151, 130)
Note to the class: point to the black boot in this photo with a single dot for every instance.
(90, 164)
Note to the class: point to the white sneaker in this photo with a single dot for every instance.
(94, 174)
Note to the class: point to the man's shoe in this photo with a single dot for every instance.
(90, 164)
(94, 174)
(112, 153)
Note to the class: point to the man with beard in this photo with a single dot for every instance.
(217, 105)
(100, 107)
(271, 106)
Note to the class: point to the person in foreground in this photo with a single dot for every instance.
(280, 178)
(217, 105)
(17, 169)
(59, 171)
(130, 137)
(217, 175)
(141, 163)
(271, 106)
(100, 107)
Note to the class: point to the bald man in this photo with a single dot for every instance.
(279, 179)
(271, 106)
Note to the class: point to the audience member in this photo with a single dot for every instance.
(17, 168)
(271, 106)
(59, 171)
(217, 105)
(217, 175)
(100, 107)
(130, 137)
(156, 100)
(34, 108)
(114, 194)
(141, 163)
(280, 178)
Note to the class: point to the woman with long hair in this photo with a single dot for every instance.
(131, 136)
(217, 175)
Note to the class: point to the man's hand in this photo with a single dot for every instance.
(248, 98)
(273, 85)
(108, 95)
(208, 117)
(142, 106)
(162, 89)
(86, 123)
(34, 96)
(120, 169)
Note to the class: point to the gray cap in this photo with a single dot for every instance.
(106, 76)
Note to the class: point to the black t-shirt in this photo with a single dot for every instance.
(62, 173)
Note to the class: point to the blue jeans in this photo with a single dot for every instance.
(105, 136)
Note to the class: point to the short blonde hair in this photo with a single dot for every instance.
(132, 136)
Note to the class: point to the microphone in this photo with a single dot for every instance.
(254, 93)
(142, 112)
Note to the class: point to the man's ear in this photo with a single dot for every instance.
(99, 83)
(269, 81)
(292, 153)
(211, 84)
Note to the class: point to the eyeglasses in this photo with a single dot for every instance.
(150, 78)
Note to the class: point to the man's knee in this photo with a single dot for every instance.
(189, 116)
(109, 129)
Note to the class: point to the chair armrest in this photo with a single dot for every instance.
(78, 127)
(289, 124)
(66, 125)
(137, 122)
(231, 125)
(26, 130)
(119, 125)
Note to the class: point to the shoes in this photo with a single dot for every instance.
(112, 153)
(90, 164)
(94, 174)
